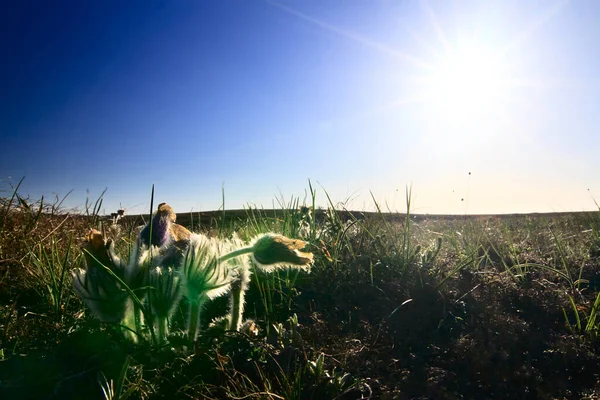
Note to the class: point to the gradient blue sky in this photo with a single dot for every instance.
(258, 97)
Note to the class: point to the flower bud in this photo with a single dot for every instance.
(271, 251)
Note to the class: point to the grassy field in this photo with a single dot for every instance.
(394, 307)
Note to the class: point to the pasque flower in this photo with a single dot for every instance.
(162, 230)
(211, 269)
(204, 277)
(156, 233)
(166, 262)
(271, 251)
(98, 285)
(163, 297)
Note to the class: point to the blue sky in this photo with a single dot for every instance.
(258, 97)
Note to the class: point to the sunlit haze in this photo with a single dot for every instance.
(479, 106)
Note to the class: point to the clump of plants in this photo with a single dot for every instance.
(395, 305)
(169, 265)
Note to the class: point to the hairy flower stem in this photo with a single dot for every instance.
(129, 324)
(235, 253)
(162, 329)
(236, 302)
(149, 321)
(237, 306)
(194, 317)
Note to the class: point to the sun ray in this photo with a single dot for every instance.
(464, 81)
(436, 25)
(415, 61)
(422, 42)
(543, 19)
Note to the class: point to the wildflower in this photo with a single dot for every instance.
(99, 253)
(204, 277)
(165, 291)
(237, 299)
(167, 262)
(101, 293)
(141, 260)
(163, 297)
(202, 272)
(272, 251)
(158, 227)
(215, 274)
(161, 242)
(163, 228)
(98, 285)
(240, 271)
(241, 268)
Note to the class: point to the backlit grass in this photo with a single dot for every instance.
(394, 306)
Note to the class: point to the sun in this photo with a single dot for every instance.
(468, 81)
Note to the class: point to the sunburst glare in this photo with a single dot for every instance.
(469, 81)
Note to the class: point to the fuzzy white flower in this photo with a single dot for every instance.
(203, 275)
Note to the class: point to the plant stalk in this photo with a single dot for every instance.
(194, 318)
(235, 253)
